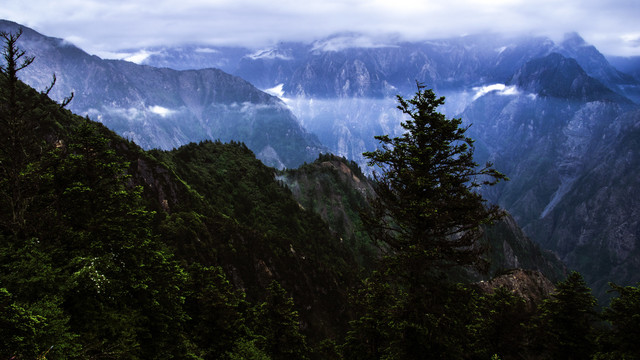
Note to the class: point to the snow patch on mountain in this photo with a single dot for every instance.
(138, 57)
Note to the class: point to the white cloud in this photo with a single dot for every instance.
(131, 114)
(138, 57)
(509, 90)
(276, 91)
(206, 50)
(338, 43)
(135, 57)
(268, 54)
(159, 110)
(501, 89)
(111, 25)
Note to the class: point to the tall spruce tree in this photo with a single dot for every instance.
(426, 189)
(426, 215)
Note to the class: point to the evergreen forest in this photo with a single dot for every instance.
(108, 251)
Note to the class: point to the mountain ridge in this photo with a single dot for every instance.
(160, 107)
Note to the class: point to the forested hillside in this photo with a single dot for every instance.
(107, 251)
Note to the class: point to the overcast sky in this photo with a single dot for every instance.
(104, 26)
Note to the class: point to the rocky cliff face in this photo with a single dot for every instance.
(594, 226)
(567, 133)
(510, 248)
(545, 113)
(629, 65)
(532, 286)
(164, 108)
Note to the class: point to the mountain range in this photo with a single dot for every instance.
(164, 108)
(557, 118)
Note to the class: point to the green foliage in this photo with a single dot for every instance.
(246, 350)
(500, 327)
(370, 332)
(237, 185)
(29, 330)
(96, 268)
(427, 214)
(393, 323)
(216, 325)
(623, 314)
(564, 329)
(278, 326)
(22, 130)
(337, 190)
(248, 219)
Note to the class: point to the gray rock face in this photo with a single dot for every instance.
(532, 286)
(343, 88)
(165, 108)
(595, 226)
(510, 248)
(567, 143)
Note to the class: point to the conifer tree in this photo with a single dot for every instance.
(279, 326)
(565, 326)
(20, 150)
(623, 313)
(427, 199)
(14, 131)
(426, 215)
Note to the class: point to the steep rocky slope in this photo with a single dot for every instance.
(563, 127)
(594, 226)
(532, 286)
(547, 114)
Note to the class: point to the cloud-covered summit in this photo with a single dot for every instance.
(102, 26)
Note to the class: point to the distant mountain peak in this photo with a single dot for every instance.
(557, 76)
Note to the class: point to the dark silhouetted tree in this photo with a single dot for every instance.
(279, 326)
(20, 150)
(565, 327)
(426, 187)
(426, 214)
(621, 340)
